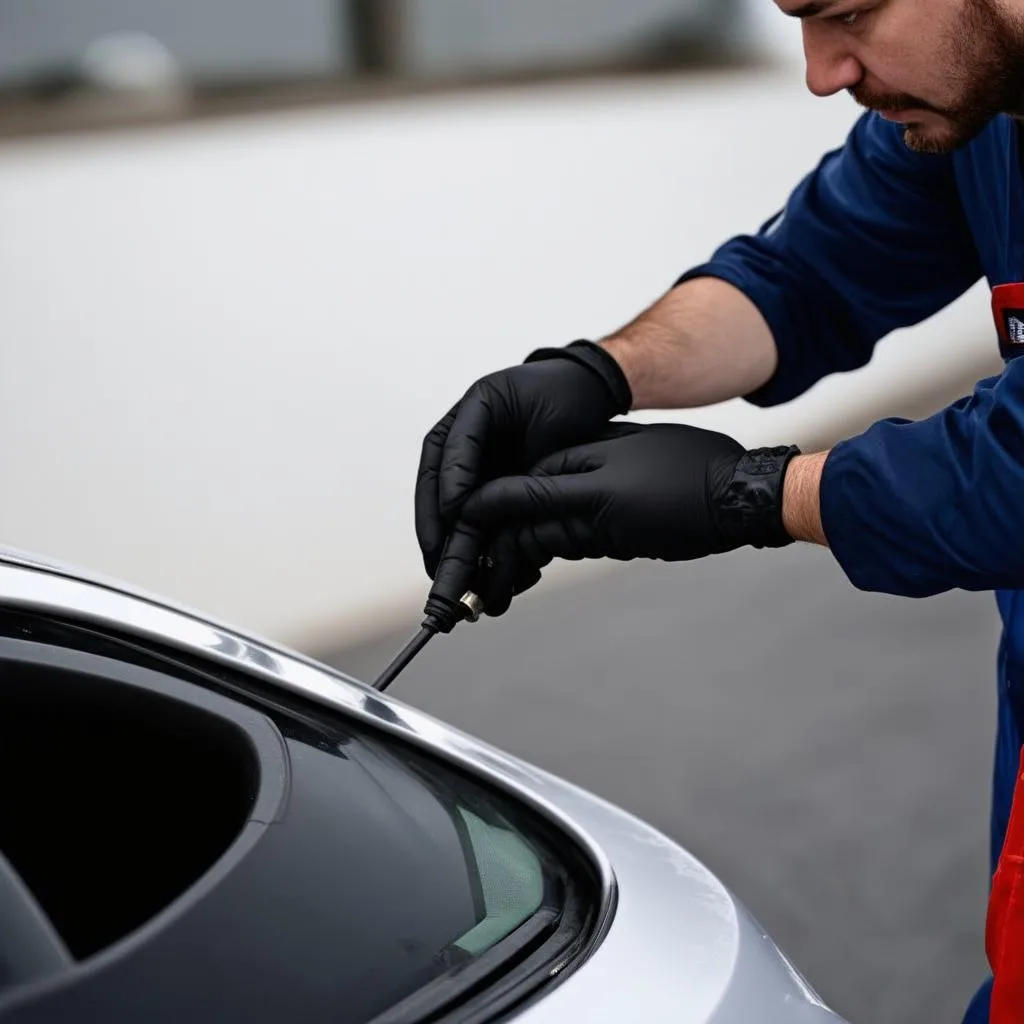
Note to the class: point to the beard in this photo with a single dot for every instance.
(986, 63)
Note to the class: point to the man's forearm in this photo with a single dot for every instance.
(702, 343)
(801, 499)
(706, 342)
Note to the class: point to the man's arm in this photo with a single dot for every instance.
(916, 508)
(874, 239)
(801, 499)
(704, 342)
(911, 508)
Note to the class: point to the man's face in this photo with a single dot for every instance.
(941, 68)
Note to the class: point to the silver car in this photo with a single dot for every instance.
(196, 825)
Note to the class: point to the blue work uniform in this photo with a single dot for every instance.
(876, 238)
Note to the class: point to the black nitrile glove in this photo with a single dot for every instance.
(666, 492)
(506, 422)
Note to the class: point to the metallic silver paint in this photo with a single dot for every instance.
(677, 946)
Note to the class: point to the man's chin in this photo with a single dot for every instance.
(931, 141)
(940, 139)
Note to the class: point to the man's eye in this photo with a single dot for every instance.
(848, 19)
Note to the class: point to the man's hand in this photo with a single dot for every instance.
(667, 492)
(505, 423)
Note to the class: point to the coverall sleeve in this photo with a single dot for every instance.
(918, 508)
(873, 239)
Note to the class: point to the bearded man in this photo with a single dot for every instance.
(925, 198)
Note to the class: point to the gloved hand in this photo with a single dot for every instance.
(666, 492)
(506, 422)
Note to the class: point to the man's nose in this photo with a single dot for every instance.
(831, 66)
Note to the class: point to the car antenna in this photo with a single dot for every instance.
(469, 608)
(442, 614)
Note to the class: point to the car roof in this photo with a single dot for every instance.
(70, 571)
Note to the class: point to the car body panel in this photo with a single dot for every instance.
(676, 944)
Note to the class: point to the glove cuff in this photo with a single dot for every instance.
(749, 508)
(598, 361)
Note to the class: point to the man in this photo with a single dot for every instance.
(925, 197)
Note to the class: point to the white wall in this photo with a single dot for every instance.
(769, 32)
(223, 342)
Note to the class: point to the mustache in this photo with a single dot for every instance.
(894, 101)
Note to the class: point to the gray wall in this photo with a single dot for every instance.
(207, 36)
(497, 33)
(240, 37)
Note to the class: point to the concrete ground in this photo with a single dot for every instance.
(826, 752)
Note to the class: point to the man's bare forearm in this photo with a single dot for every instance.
(801, 499)
(702, 343)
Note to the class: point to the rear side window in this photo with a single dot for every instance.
(509, 876)
(381, 884)
(484, 893)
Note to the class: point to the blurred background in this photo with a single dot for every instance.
(250, 251)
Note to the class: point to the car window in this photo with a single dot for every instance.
(382, 884)
(510, 877)
(463, 870)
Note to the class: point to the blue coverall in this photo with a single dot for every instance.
(876, 238)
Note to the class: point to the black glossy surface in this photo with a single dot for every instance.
(116, 798)
(344, 904)
(29, 946)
